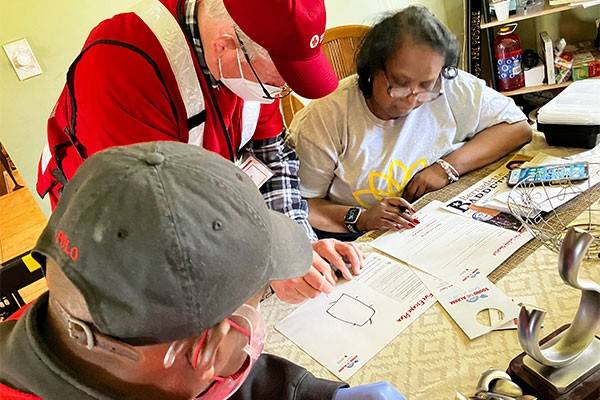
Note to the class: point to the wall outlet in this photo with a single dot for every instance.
(22, 59)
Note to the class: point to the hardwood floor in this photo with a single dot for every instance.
(21, 222)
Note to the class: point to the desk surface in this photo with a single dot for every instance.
(432, 359)
(21, 222)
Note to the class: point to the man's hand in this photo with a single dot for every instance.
(391, 213)
(427, 180)
(320, 277)
(338, 254)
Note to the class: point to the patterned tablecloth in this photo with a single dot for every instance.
(432, 359)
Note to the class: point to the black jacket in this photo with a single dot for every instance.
(28, 365)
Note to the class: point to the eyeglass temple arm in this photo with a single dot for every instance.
(247, 57)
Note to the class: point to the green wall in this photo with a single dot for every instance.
(575, 25)
(56, 30)
(342, 12)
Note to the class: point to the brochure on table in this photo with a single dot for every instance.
(471, 202)
(343, 330)
(478, 296)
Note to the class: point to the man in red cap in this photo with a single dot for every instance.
(209, 73)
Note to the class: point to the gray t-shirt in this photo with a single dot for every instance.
(352, 157)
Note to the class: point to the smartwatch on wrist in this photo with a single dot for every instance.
(351, 219)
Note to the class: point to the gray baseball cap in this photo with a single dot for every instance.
(165, 240)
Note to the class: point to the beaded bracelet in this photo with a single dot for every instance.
(452, 173)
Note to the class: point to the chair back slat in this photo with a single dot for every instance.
(290, 105)
(340, 45)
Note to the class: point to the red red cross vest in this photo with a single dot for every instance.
(137, 79)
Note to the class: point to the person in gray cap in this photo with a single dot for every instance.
(146, 298)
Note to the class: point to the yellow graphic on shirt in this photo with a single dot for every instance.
(395, 179)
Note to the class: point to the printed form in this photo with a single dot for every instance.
(451, 247)
(360, 317)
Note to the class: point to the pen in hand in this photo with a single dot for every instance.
(339, 273)
(407, 213)
(394, 213)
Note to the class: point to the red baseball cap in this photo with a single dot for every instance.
(292, 32)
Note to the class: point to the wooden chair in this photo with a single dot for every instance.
(340, 45)
(290, 105)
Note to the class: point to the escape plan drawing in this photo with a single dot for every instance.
(351, 310)
(344, 329)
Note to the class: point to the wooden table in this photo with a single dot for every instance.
(433, 359)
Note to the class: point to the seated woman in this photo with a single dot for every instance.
(407, 124)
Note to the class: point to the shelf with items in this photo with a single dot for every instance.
(537, 88)
(482, 28)
(546, 11)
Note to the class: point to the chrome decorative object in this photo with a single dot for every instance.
(574, 353)
(495, 384)
(489, 377)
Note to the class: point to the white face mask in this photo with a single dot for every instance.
(246, 89)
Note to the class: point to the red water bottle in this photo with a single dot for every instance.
(509, 52)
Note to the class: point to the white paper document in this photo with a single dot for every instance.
(451, 247)
(343, 330)
(463, 305)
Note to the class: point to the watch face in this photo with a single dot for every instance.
(352, 215)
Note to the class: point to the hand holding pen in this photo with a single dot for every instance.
(391, 213)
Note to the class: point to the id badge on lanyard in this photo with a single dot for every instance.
(256, 170)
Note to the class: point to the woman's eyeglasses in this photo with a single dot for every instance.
(398, 92)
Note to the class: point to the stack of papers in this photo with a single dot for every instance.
(445, 258)
(450, 247)
(452, 256)
(488, 200)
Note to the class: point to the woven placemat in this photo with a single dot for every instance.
(567, 212)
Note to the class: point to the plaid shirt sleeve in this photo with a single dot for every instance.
(282, 191)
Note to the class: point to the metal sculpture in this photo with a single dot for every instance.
(574, 353)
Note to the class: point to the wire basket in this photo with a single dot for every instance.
(547, 210)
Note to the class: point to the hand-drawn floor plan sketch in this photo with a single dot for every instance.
(351, 310)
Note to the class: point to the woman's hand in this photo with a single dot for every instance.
(427, 180)
(391, 213)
